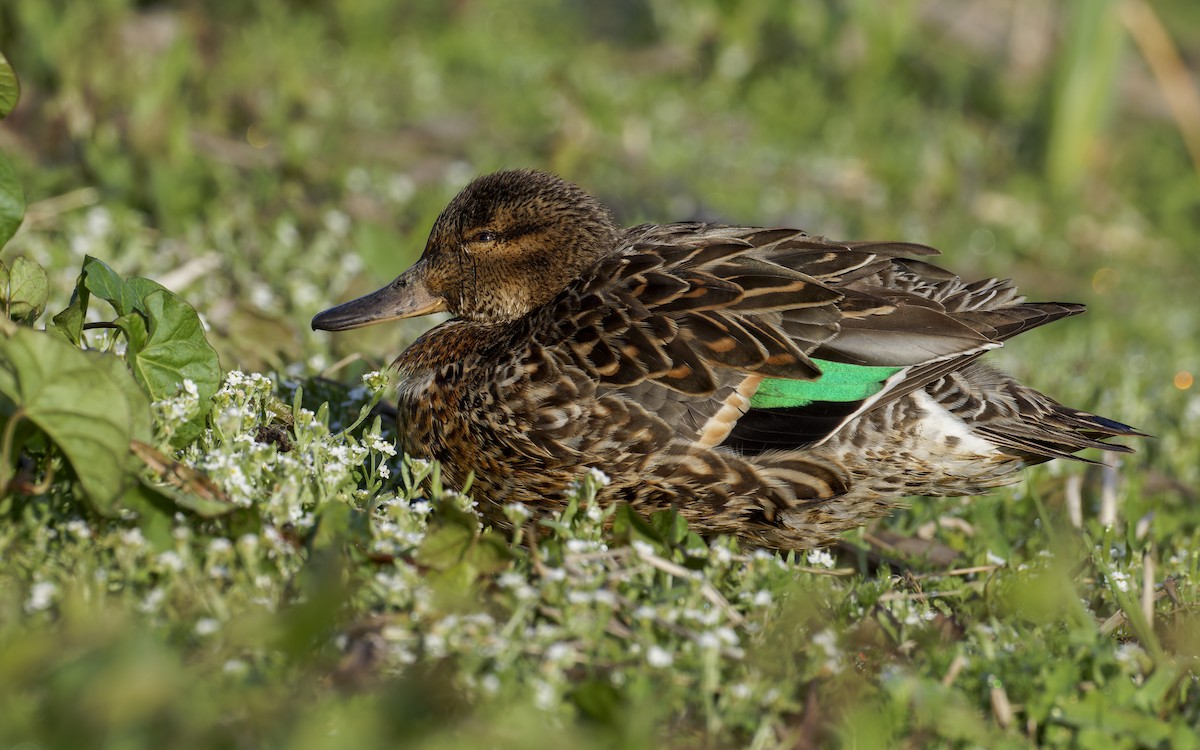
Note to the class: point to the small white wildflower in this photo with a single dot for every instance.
(79, 528)
(510, 580)
(740, 691)
(644, 549)
(721, 555)
(375, 381)
(762, 598)
(220, 545)
(827, 640)
(820, 558)
(152, 601)
(171, 560)
(554, 574)
(1120, 581)
(517, 512)
(656, 656)
(599, 477)
(384, 471)
(207, 626)
(544, 695)
(1129, 654)
(995, 559)
(41, 596)
(236, 667)
(708, 640)
(422, 507)
(337, 222)
(727, 635)
(558, 652)
(490, 683)
(379, 445)
(133, 537)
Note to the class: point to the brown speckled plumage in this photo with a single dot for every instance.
(577, 344)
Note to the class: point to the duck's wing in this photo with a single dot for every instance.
(691, 321)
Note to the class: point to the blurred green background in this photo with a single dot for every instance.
(267, 159)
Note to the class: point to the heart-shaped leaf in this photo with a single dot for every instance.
(86, 403)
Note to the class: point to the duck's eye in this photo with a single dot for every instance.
(485, 237)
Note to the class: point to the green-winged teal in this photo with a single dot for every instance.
(768, 384)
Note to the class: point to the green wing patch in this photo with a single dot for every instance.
(838, 382)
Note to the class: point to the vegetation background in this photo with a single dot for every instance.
(265, 160)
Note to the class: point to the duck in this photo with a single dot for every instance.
(761, 382)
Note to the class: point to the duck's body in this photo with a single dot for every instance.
(767, 384)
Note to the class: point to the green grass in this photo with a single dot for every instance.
(267, 160)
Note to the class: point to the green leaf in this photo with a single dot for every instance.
(69, 322)
(339, 525)
(99, 279)
(10, 88)
(628, 525)
(25, 288)
(599, 701)
(170, 350)
(453, 545)
(12, 201)
(86, 403)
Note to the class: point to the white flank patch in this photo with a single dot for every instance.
(939, 424)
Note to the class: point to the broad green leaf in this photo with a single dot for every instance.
(171, 349)
(99, 279)
(10, 88)
(628, 525)
(69, 322)
(26, 289)
(86, 403)
(452, 545)
(12, 200)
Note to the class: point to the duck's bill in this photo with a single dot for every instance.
(406, 297)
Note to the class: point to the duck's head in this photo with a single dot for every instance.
(507, 244)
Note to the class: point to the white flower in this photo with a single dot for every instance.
(644, 549)
(599, 477)
(152, 601)
(133, 537)
(236, 666)
(820, 558)
(171, 560)
(762, 598)
(995, 559)
(1120, 581)
(41, 596)
(656, 656)
(207, 626)
(490, 683)
(827, 640)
